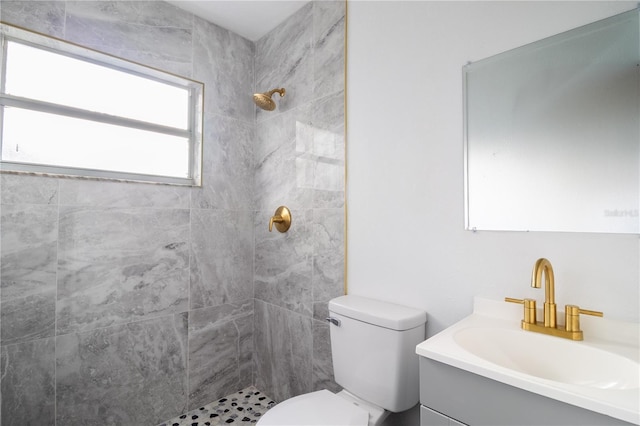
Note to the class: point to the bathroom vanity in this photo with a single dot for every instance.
(486, 370)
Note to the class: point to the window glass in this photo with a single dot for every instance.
(91, 145)
(52, 77)
(65, 109)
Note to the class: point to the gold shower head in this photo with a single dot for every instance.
(264, 101)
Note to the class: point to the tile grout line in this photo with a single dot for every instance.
(55, 308)
(186, 363)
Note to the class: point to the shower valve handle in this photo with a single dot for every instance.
(281, 218)
(274, 219)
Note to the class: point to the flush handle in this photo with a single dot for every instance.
(334, 321)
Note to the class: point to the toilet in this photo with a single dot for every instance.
(374, 361)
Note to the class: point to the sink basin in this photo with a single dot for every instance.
(550, 358)
(600, 374)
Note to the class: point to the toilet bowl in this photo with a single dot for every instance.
(373, 351)
(323, 408)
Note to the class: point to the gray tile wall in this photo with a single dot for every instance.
(122, 303)
(127, 304)
(299, 158)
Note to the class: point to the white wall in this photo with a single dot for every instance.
(406, 237)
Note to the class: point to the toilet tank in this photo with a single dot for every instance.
(373, 345)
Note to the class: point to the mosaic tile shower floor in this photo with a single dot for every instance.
(242, 408)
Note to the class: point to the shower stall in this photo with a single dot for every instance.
(127, 304)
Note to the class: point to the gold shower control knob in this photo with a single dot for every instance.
(281, 219)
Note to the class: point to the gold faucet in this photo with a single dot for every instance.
(543, 265)
(571, 330)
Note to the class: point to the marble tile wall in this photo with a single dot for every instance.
(122, 303)
(299, 160)
(126, 303)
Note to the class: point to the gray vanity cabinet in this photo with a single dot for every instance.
(428, 417)
(451, 396)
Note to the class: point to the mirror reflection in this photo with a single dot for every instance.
(552, 133)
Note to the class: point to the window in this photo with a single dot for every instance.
(68, 110)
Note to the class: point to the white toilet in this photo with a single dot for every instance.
(373, 349)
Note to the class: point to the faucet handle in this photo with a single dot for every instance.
(572, 316)
(529, 308)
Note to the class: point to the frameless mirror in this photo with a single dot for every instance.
(552, 133)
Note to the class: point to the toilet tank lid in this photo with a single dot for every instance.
(377, 312)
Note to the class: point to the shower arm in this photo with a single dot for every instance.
(281, 92)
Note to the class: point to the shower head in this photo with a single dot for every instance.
(264, 101)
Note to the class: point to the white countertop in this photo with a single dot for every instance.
(620, 338)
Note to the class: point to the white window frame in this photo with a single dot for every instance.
(195, 113)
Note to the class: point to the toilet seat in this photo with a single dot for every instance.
(321, 408)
